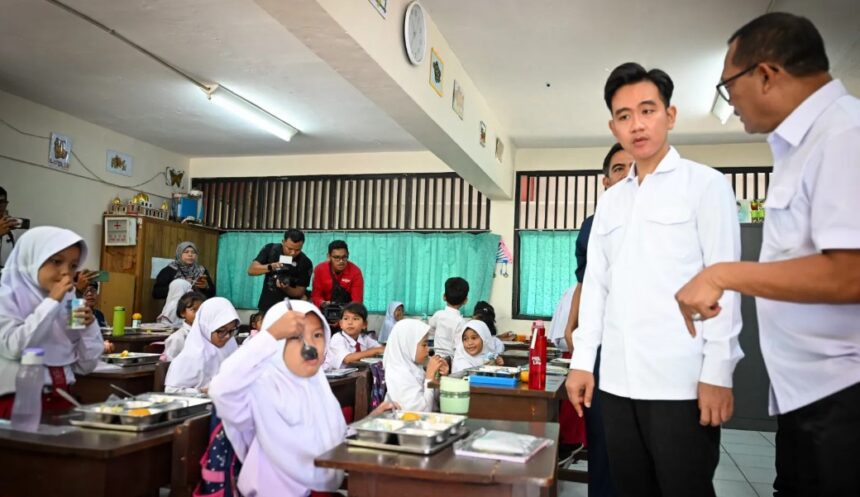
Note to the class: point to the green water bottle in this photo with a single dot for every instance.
(118, 321)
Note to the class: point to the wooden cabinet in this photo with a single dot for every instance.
(155, 238)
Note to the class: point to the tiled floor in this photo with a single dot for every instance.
(746, 467)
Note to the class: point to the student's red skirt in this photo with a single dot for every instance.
(51, 404)
(572, 427)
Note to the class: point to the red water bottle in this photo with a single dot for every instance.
(537, 357)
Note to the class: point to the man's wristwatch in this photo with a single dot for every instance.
(270, 267)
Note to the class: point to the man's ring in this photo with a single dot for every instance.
(696, 316)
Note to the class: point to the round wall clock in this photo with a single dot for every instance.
(415, 33)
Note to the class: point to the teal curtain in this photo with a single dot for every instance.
(409, 267)
(547, 267)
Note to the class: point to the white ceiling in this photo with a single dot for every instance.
(573, 44)
(511, 49)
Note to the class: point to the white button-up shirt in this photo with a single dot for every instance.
(341, 345)
(445, 324)
(813, 204)
(647, 241)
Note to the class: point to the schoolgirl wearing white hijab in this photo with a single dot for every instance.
(475, 348)
(405, 353)
(176, 290)
(277, 407)
(210, 341)
(392, 316)
(35, 287)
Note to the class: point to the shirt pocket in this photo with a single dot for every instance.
(784, 223)
(611, 231)
(670, 232)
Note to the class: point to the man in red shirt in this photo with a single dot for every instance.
(337, 268)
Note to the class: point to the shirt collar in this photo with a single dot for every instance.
(793, 129)
(349, 339)
(668, 163)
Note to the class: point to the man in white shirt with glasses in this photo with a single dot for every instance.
(663, 396)
(807, 283)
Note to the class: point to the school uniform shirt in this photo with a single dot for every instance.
(350, 279)
(404, 379)
(648, 241)
(200, 359)
(174, 344)
(560, 317)
(462, 359)
(446, 322)
(276, 421)
(29, 318)
(341, 345)
(812, 350)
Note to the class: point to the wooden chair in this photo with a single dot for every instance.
(154, 347)
(160, 375)
(190, 440)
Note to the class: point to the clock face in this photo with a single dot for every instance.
(415, 33)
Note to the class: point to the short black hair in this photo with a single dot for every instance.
(188, 300)
(630, 73)
(486, 313)
(294, 235)
(791, 41)
(607, 161)
(456, 290)
(336, 245)
(2, 191)
(253, 318)
(356, 308)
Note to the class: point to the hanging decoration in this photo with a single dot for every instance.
(503, 258)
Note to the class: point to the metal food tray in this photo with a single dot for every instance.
(500, 371)
(132, 358)
(164, 410)
(427, 434)
(356, 442)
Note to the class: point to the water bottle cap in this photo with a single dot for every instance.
(33, 356)
(538, 324)
(119, 308)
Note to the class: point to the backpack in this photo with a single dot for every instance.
(219, 466)
(378, 388)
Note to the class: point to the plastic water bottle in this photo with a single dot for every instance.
(27, 409)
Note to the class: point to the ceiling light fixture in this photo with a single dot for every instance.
(250, 112)
(721, 109)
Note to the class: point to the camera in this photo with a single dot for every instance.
(284, 276)
(333, 312)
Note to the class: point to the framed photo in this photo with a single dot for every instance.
(458, 100)
(500, 150)
(119, 163)
(381, 7)
(483, 137)
(437, 71)
(59, 151)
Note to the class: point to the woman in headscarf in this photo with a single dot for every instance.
(405, 378)
(35, 289)
(393, 314)
(185, 266)
(476, 347)
(278, 410)
(210, 341)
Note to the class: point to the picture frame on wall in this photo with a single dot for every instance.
(483, 136)
(458, 100)
(119, 163)
(500, 150)
(437, 71)
(60, 151)
(381, 7)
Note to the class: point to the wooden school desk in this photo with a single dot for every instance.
(353, 390)
(516, 403)
(375, 472)
(95, 387)
(134, 341)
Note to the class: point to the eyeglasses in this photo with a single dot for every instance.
(340, 257)
(723, 86)
(229, 330)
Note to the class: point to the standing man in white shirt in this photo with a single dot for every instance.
(807, 283)
(663, 397)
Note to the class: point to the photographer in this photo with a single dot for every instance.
(287, 270)
(7, 225)
(337, 282)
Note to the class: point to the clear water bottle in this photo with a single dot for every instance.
(27, 409)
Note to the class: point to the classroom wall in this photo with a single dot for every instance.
(73, 199)
(502, 213)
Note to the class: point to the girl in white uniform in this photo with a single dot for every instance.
(405, 353)
(476, 348)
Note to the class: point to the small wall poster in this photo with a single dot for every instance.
(458, 100)
(437, 70)
(381, 7)
(500, 150)
(60, 151)
(483, 136)
(119, 163)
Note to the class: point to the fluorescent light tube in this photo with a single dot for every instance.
(250, 112)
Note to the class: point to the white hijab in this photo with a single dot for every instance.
(176, 290)
(296, 419)
(464, 360)
(200, 359)
(402, 376)
(20, 292)
(389, 322)
(559, 319)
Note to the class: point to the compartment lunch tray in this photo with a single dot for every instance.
(353, 440)
(169, 409)
(134, 428)
(132, 359)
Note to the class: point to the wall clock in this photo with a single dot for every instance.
(415, 33)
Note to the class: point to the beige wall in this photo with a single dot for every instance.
(52, 197)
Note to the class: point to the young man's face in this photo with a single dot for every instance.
(745, 95)
(291, 248)
(338, 258)
(640, 120)
(619, 166)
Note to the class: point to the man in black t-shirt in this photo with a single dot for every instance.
(287, 270)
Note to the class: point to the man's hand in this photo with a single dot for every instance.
(580, 389)
(698, 300)
(716, 404)
(83, 278)
(7, 224)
